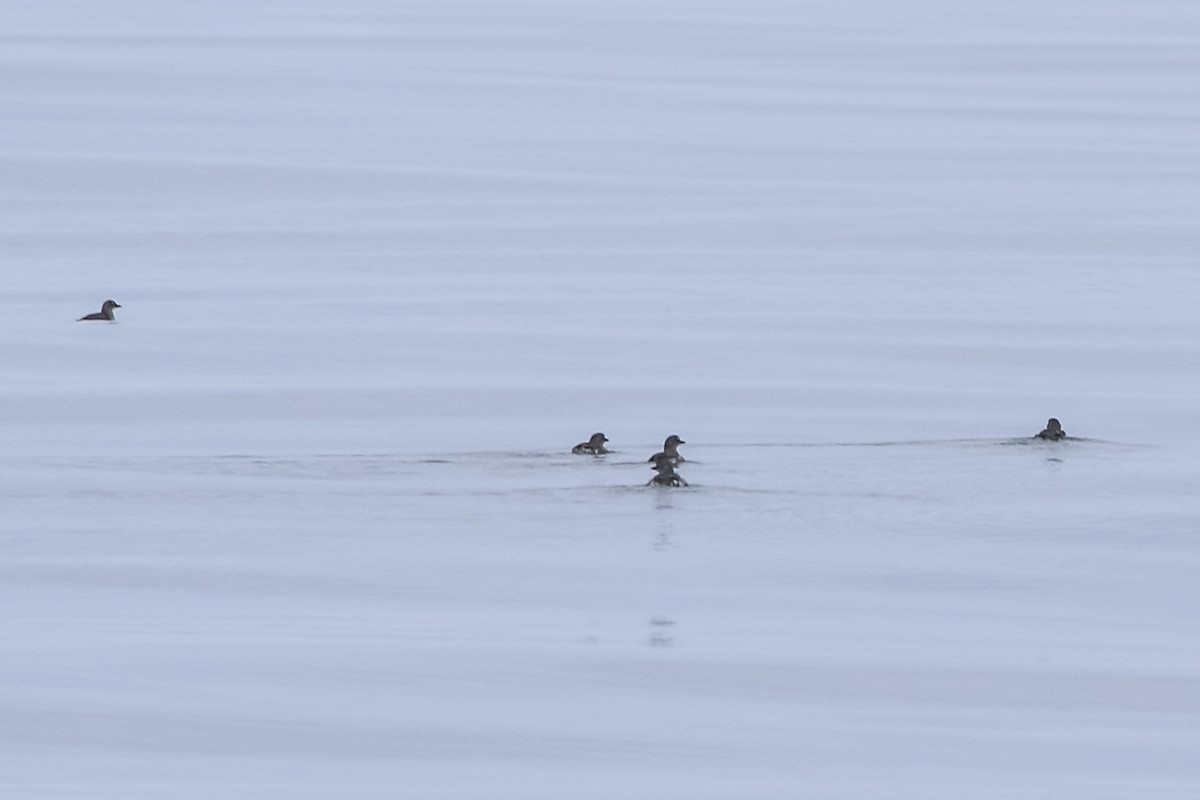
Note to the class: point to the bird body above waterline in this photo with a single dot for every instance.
(667, 476)
(105, 314)
(670, 450)
(592, 447)
(1053, 431)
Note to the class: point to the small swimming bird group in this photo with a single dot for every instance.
(105, 314)
(664, 462)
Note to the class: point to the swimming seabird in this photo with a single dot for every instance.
(592, 447)
(670, 450)
(1053, 432)
(667, 476)
(105, 313)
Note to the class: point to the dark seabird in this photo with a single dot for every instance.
(670, 450)
(105, 314)
(667, 476)
(592, 447)
(1054, 431)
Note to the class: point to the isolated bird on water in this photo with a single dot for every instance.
(105, 314)
(1053, 432)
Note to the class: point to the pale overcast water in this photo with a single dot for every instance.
(304, 522)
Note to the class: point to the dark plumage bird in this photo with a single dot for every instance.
(592, 447)
(105, 313)
(670, 450)
(1053, 432)
(667, 476)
